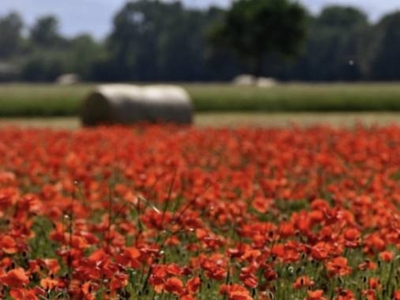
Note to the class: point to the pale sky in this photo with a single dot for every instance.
(95, 16)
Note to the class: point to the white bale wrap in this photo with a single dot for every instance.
(127, 104)
(264, 82)
(68, 79)
(244, 80)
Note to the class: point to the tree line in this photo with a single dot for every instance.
(166, 41)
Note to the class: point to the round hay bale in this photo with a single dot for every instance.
(264, 82)
(244, 80)
(127, 104)
(68, 79)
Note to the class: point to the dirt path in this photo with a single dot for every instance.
(240, 119)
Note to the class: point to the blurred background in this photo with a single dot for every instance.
(308, 55)
(115, 40)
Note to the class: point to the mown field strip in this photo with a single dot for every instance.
(238, 120)
(41, 100)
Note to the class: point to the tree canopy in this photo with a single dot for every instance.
(154, 40)
(385, 64)
(45, 33)
(255, 28)
(10, 35)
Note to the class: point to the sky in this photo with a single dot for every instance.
(95, 16)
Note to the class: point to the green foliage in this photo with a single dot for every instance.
(49, 54)
(45, 53)
(85, 52)
(40, 244)
(40, 100)
(297, 97)
(166, 41)
(153, 40)
(337, 47)
(256, 28)
(385, 66)
(343, 17)
(44, 66)
(10, 35)
(44, 32)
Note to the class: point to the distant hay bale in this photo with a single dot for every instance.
(8, 72)
(68, 79)
(264, 82)
(127, 104)
(244, 80)
(250, 80)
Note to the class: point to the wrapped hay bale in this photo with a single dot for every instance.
(264, 82)
(244, 80)
(127, 104)
(68, 79)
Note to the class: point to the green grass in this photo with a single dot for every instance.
(27, 100)
(298, 97)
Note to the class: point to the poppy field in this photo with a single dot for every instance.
(159, 212)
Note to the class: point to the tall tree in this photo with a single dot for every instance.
(256, 28)
(342, 17)
(45, 66)
(337, 48)
(84, 52)
(156, 40)
(385, 65)
(133, 41)
(340, 42)
(44, 32)
(11, 27)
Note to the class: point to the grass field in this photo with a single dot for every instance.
(25, 100)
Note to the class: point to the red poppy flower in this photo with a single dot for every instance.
(315, 295)
(343, 294)
(25, 294)
(8, 244)
(374, 283)
(338, 266)
(193, 285)
(235, 292)
(48, 283)
(15, 278)
(174, 285)
(303, 281)
(386, 256)
(396, 295)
